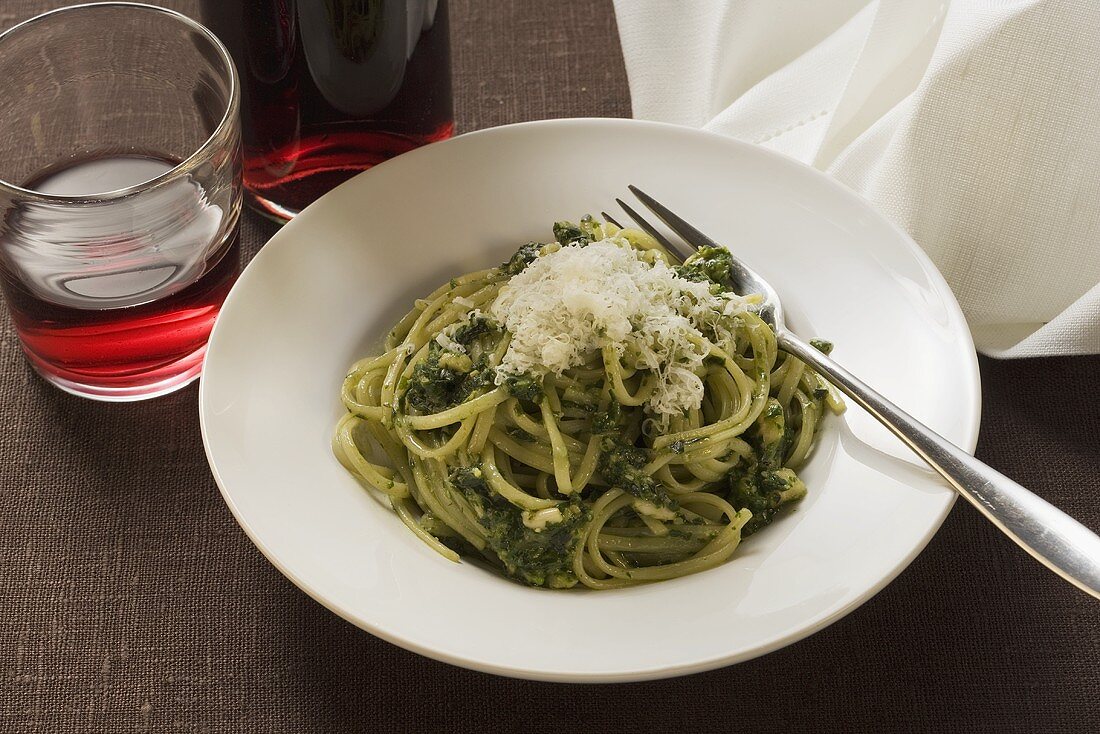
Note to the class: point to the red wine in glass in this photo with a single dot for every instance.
(333, 87)
(134, 320)
(120, 195)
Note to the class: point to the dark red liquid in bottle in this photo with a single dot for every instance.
(119, 318)
(332, 88)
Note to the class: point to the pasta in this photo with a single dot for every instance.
(591, 411)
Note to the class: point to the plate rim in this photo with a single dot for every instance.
(969, 428)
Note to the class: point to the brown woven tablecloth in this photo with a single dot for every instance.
(131, 602)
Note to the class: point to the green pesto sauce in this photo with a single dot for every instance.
(536, 557)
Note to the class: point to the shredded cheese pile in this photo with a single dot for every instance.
(567, 305)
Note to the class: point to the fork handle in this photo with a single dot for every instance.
(1057, 540)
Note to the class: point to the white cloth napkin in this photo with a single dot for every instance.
(973, 124)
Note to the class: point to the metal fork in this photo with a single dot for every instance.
(1057, 540)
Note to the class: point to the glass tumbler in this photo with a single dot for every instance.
(120, 193)
(330, 88)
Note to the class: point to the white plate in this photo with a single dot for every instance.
(326, 288)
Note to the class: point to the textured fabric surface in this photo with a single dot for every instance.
(130, 601)
(971, 124)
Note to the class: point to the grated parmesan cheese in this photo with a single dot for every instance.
(446, 341)
(569, 303)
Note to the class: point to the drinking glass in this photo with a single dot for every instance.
(120, 193)
(331, 88)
